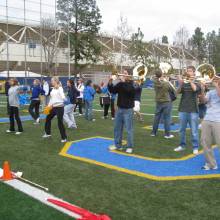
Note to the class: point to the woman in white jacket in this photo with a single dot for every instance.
(57, 98)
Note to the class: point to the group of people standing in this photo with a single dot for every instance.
(128, 95)
(197, 104)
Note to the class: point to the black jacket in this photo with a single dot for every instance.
(72, 94)
(126, 93)
(7, 87)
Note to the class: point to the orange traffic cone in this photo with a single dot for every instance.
(7, 175)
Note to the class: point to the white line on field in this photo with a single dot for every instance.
(147, 114)
(39, 195)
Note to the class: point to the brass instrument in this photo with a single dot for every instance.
(206, 73)
(165, 67)
(139, 73)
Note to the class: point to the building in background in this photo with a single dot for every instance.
(21, 49)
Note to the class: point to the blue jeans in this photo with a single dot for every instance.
(193, 120)
(124, 118)
(162, 109)
(88, 110)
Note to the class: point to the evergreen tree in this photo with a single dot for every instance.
(83, 19)
(137, 48)
(199, 44)
(165, 39)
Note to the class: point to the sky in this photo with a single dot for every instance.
(161, 17)
(154, 17)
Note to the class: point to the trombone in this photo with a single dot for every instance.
(206, 73)
(139, 74)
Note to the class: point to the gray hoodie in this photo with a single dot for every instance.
(13, 96)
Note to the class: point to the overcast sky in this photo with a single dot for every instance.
(154, 17)
(159, 17)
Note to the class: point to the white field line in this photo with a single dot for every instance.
(147, 114)
(39, 195)
(150, 105)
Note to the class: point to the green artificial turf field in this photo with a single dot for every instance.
(121, 196)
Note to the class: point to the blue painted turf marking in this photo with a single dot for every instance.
(23, 118)
(95, 150)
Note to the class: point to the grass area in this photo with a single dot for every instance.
(122, 196)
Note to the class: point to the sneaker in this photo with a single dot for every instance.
(152, 135)
(180, 148)
(63, 140)
(113, 147)
(38, 120)
(9, 131)
(46, 136)
(195, 151)
(206, 167)
(169, 136)
(93, 119)
(73, 127)
(104, 117)
(113, 119)
(129, 150)
(18, 132)
(80, 114)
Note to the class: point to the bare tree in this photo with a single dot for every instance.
(182, 40)
(123, 32)
(181, 37)
(49, 43)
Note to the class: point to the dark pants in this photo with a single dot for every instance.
(8, 107)
(79, 104)
(106, 108)
(162, 109)
(59, 112)
(35, 105)
(202, 110)
(14, 114)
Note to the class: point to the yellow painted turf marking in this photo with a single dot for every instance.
(136, 173)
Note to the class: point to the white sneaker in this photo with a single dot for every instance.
(46, 136)
(129, 150)
(64, 141)
(180, 148)
(80, 114)
(152, 135)
(169, 136)
(195, 151)
(112, 147)
(113, 119)
(38, 120)
(18, 133)
(206, 167)
(9, 131)
(93, 119)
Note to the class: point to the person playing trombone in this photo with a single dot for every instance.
(124, 114)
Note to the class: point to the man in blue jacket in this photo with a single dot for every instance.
(88, 96)
(35, 101)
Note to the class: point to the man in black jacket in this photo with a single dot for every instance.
(124, 115)
(7, 87)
